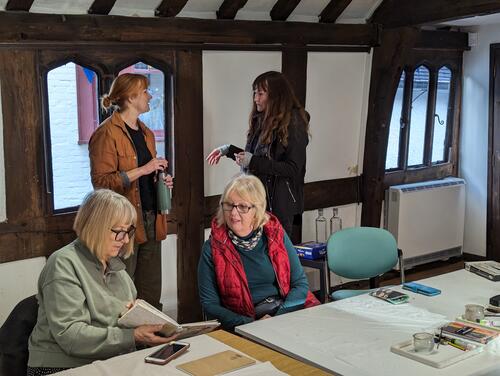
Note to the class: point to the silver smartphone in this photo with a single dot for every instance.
(166, 353)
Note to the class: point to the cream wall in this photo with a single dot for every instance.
(474, 136)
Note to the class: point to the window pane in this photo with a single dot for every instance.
(155, 118)
(391, 160)
(441, 120)
(418, 116)
(73, 116)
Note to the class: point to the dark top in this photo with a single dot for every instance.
(146, 182)
(261, 279)
(280, 168)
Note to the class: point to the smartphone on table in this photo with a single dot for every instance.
(421, 289)
(166, 353)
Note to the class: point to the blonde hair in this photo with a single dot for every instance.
(250, 189)
(124, 86)
(99, 212)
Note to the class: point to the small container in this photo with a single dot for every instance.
(474, 312)
(335, 222)
(321, 229)
(163, 199)
(423, 342)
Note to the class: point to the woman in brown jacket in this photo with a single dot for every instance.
(123, 158)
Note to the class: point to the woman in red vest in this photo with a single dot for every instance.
(249, 269)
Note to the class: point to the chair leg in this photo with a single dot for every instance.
(401, 266)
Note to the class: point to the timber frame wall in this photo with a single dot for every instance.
(27, 39)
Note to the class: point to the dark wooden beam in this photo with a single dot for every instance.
(442, 40)
(282, 9)
(333, 10)
(23, 5)
(318, 194)
(396, 13)
(102, 7)
(189, 195)
(387, 64)
(169, 8)
(88, 28)
(229, 8)
(294, 67)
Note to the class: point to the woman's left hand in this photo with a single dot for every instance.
(243, 158)
(265, 317)
(169, 181)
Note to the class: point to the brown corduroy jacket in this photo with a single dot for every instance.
(112, 154)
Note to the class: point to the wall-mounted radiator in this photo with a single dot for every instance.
(427, 219)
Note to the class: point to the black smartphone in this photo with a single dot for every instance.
(166, 353)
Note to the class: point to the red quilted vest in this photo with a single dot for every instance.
(231, 278)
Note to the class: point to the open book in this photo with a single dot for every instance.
(143, 313)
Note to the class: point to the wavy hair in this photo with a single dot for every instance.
(250, 189)
(280, 103)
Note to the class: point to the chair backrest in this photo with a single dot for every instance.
(14, 335)
(362, 252)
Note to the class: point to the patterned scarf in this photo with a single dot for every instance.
(248, 243)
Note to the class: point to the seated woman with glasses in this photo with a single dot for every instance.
(249, 269)
(84, 287)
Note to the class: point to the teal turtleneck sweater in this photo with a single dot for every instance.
(261, 282)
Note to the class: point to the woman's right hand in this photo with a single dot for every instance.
(146, 335)
(214, 157)
(154, 165)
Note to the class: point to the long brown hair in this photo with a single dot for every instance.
(278, 113)
(124, 87)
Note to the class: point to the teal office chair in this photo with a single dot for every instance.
(362, 253)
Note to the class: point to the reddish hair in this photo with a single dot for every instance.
(124, 87)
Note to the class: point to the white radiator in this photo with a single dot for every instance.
(427, 219)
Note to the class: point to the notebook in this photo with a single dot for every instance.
(216, 364)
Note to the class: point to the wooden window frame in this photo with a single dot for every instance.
(106, 69)
(433, 61)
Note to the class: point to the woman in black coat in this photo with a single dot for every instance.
(276, 146)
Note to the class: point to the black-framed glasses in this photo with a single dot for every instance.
(241, 208)
(120, 234)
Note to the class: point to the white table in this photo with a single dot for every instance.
(354, 336)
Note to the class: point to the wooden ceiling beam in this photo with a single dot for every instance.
(22, 5)
(333, 10)
(282, 9)
(101, 7)
(396, 13)
(229, 8)
(170, 8)
(86, 29)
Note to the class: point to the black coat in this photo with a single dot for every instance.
(281, 168)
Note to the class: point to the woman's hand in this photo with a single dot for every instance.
(146, 334)
(169, 181)
(265, 317)
(214, 157)
(243, 158)
(154, 165)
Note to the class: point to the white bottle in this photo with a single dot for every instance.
(321, 229)
(335, 222)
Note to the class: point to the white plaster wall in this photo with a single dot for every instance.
(70, 161)
(169, 275)
(474, 137)
(337, 92)
(3, 208)
(18, 281)
(227, 102)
